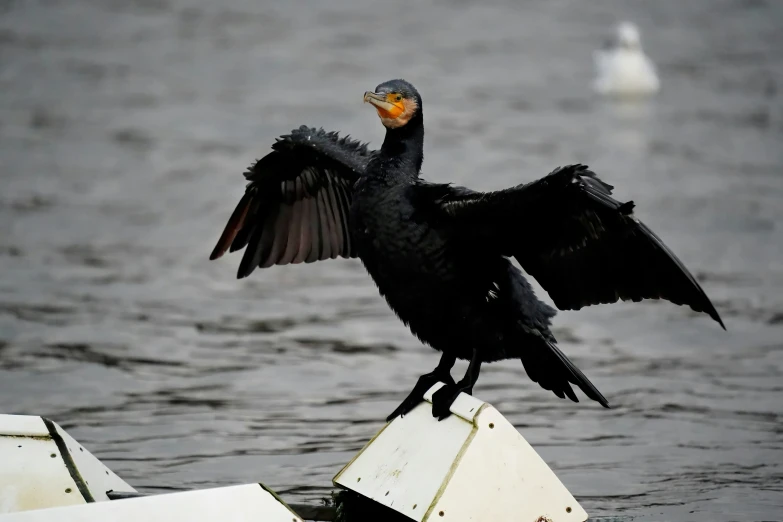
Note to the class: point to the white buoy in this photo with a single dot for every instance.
(245, 503)
(622, 69)
(46, 475)
(474, 465)
(42, 466)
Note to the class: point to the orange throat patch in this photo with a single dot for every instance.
(400, 113)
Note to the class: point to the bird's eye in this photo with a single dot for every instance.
(398, 97)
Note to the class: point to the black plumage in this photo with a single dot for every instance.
(296, 206)
(440, 254)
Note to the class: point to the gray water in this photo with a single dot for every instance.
(124, 129)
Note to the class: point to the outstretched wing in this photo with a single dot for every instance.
(583, 246)
(295, 208)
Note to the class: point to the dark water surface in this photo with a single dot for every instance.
(124, 129)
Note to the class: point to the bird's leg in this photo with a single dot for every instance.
(441, 373)
(445, 397)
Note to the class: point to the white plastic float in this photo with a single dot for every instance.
(45, 475)
(246, 503)
(42, 466)
(472, 466)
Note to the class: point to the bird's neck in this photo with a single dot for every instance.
(404, 147)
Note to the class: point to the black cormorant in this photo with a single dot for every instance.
(440, 254)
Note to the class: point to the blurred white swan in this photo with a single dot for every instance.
(622, 68)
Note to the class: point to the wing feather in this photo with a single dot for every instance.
(268, 235)
(337, 220)
(296, 207)
(327, 229)
(294, 226)
(303, 206)
(281, 222)
(569, 233)
(344, 205)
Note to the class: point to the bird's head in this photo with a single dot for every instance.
(628, 35)
(396, 101)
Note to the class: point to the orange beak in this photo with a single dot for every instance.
(385, 103)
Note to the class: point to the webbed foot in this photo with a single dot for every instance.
(445, 397)
(416, 396)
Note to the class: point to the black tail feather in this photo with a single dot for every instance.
(554, 371)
